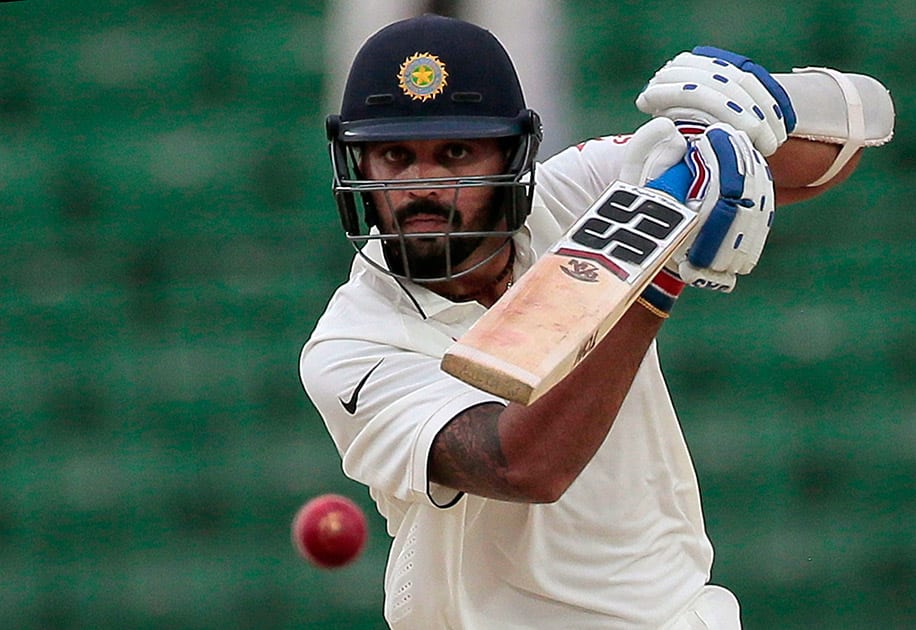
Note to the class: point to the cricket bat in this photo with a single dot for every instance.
(575, 293)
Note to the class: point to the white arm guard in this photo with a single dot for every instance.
(854, 110)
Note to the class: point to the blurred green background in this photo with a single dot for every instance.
(169, 240)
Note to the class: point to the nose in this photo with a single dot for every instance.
(423, 169)
(427, 169)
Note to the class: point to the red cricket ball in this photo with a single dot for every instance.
(330, 531)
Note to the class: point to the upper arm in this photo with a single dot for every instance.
(467, 454)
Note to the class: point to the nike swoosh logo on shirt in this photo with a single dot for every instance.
(350, 405)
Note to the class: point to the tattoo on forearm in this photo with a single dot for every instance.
(467, 454)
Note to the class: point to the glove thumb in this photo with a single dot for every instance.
(651, 150)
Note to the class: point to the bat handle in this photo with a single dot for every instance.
(674, 182)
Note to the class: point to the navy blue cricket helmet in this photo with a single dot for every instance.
(423, 78)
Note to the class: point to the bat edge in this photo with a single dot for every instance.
(489, 373)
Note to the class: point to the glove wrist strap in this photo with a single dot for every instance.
(661, 294)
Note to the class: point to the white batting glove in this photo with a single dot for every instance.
(709, 85)
(733, 193)
(651, 150)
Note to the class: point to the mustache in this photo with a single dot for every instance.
(428, 207)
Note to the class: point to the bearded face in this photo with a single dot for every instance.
(441, 225)
(431, 257)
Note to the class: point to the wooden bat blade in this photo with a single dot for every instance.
(572, 296)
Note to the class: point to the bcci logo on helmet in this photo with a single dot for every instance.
(422, 76)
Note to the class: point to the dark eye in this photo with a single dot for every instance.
(456, 151)
(395, 154)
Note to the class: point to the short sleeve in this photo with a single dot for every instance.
(384, 431)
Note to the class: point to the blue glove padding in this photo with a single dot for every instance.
(723, 213)
(779, 94)
(674, 182)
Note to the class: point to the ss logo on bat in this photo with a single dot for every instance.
(628, 227)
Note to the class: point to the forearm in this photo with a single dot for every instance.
(798, 163)
(533, 453)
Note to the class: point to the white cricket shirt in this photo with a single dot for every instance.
(624, 547)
